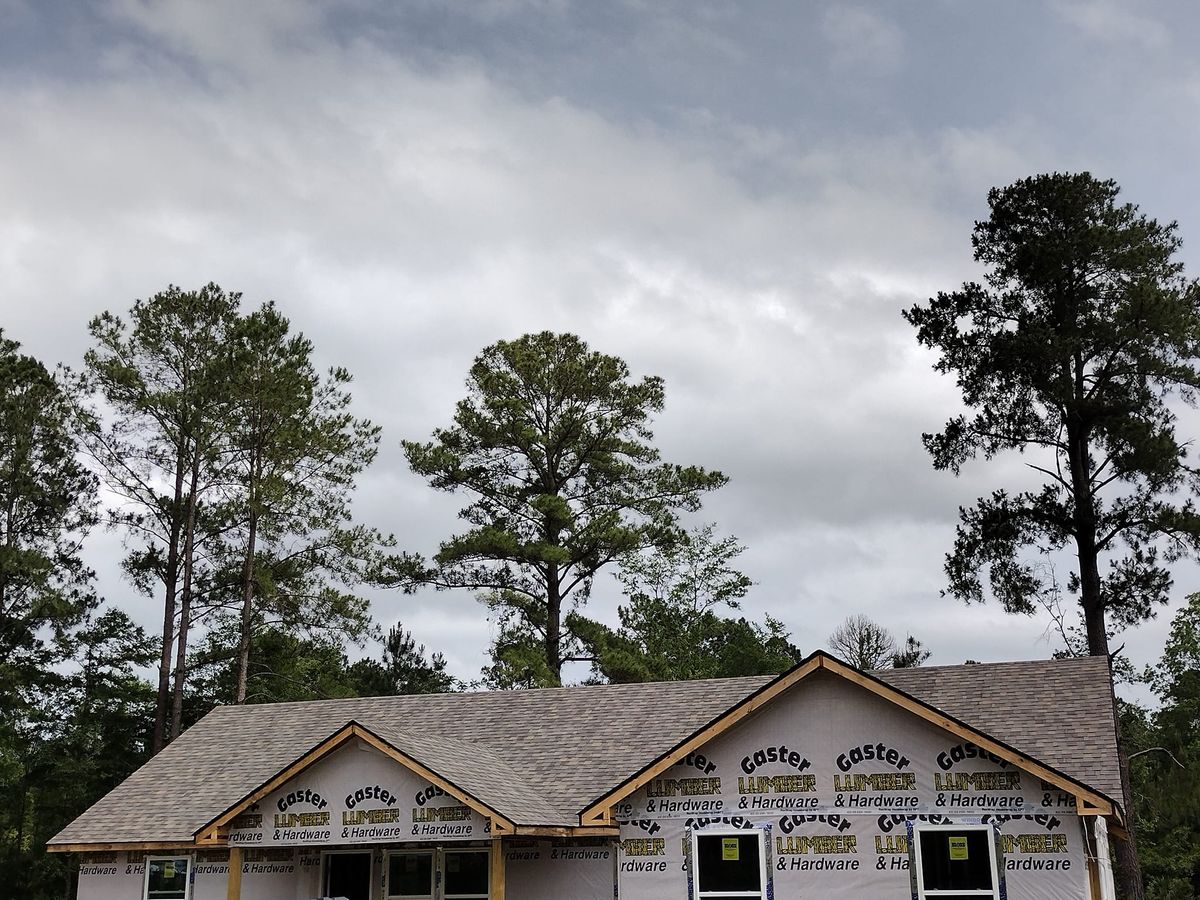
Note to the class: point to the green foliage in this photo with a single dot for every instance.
(288, 666)
(553, 445)
(284, 667)
(236, 460)
(85, 731)
(671, 623)
(518, 651)
(1071, 352)
(47, 502)
(403, 669)
(161, 380)
(1165, 764)
(910, 655)
(293, 453)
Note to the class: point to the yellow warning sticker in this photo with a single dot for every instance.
(729, 849)
(958, 848)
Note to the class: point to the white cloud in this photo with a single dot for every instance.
(1113, 22)
(862, 39)
(406, 214)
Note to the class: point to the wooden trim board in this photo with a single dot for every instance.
(599, 812)
(351, 731)
(233, 881)
(132, 846)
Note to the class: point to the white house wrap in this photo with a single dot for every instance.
(984, 780)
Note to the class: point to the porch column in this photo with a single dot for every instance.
(233, 883)
(497, 869)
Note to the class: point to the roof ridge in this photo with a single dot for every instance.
(1052, 660)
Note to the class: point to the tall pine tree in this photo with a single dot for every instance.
(1071, 353)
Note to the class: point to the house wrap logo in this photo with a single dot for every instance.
(877, 789)
(684, 795)
(977, 789)
(753, 788)
(302, 826)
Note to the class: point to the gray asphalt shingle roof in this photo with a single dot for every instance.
(539, 757)
(1058, 711)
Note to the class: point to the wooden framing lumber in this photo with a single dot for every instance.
(233, 882)
(181, 846)
(1088, 802)
(496, 870)
(567, 830)
(352, 731)
(600, 812)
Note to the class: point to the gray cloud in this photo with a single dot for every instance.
(731, 201)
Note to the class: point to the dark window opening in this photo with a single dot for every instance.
(956, 863)
(348, 875)
(729, 866)
(167, 879)
(467, 874)
(410, 875)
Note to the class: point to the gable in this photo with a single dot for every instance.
(604, 808)
(828, 746)
(355, 794)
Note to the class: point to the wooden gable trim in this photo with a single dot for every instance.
(599, 812)
(351, 731)
(568, 830)
(180, 846)
(1088, 802)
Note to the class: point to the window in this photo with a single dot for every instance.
(955, 862)
(167, 877)
(347, 874)
(729, 864)
(467, 874)
(410, 875)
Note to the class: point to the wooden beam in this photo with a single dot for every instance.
(496, 861)
(568, 831)
(502, 826)
(499, 822)
(335, 741)
(214, 837)
(600, 811)
(1090, 848)
(132, 845)
(1083, 797)
(233, 884)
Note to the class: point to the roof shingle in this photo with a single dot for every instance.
(539, 756)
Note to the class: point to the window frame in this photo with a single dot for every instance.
(325, 854)
(760, 836)
(162, 857)
(920, 828)
(444, 868)
(387, 873)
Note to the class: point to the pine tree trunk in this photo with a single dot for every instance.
(163, 701)
(185, 604)
(247, 619)
(553, 623)
(1091, 599)
(1129, 867)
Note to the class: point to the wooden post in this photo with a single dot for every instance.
(497, 869)
(233, 883)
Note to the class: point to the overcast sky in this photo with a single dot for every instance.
(739, 197)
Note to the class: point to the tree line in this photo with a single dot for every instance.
(227, 461)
